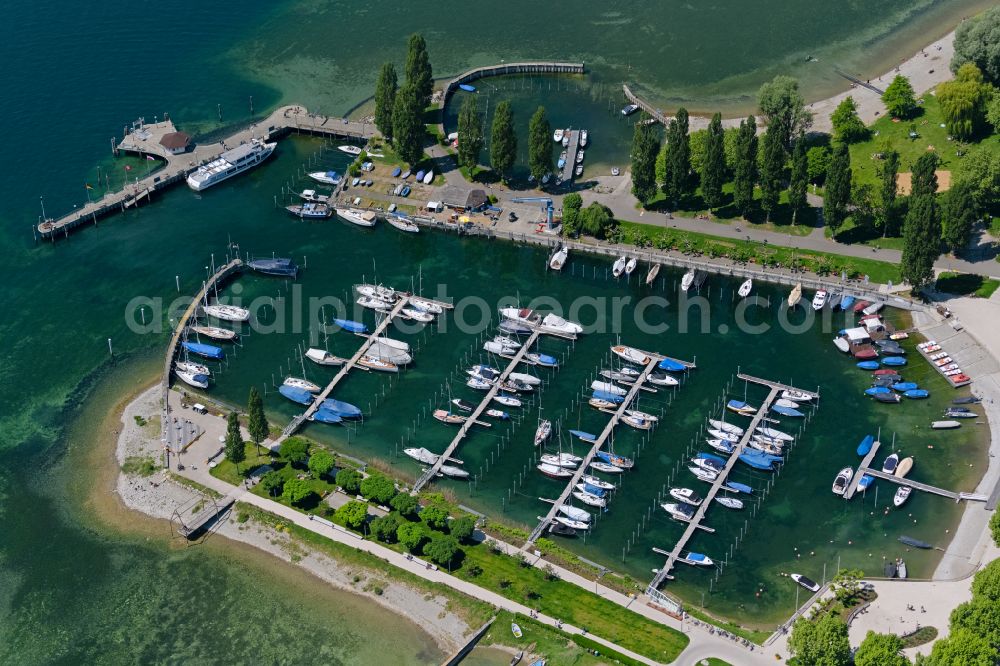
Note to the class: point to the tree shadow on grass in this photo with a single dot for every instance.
(961, 284)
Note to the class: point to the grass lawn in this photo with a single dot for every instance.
(822, 263)
(849, 234)
(966, 284)
(752, 635)
(226, 471)
(320, 487)
(921, 636)
(559, 648)
(715, 661)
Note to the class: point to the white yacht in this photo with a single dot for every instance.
(230, 163)
(557, 136)
(227, 312)
(326, 177)
(583, 138)
(192, 368)
(196, 380)
(556, 323)
(323, 357)
(422, 455)
(362, 218)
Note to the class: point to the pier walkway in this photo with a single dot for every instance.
(598, 443)
(927, 488)
(852, 487)
(145, 139)
(775, 389)
(463, 430)
(571, 150)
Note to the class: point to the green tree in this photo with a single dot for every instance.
(385, 99)
(977, 41)
(783, 108)
(462, 528)
(235, 447)
(965, 648)
(986, 582)
(713, 170)
(730, 141)
(661, 161)
(597, 220)
(418, 70)
(981, 169)
(470, 133)
(384, 527)
(295, 450)
(273, 483)
(353, 514)
(442, 549)
(886, 214)
(847, 126)
(645, 147)
(771, 172)
(838, 187)
(379, 488)
(921, 241)
(899, 98)
(296, 491)
(256, 420)
(407, 125)
(822, 642)
(503, 140)
(436, 517)
(406, 504)
(798, 186)
(745, 172)
(880, 650)
(539, 144)
(993, 111)
(864, 211)
(963, 102)
(349, 480)
(958, 216)
(818, 159)
(698, 145)
(924, 176)
(847, 584)
(995, 527)
(678, 159)
(320, 463)
(980, 617)
(571, 205)
(412, 536)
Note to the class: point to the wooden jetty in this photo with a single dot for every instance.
(571, 150)
(775, 389)
(538, 67)
(598, 443)
(925, 487)
(652, 111)
(463, 430)
(852, 487)
(147, 140)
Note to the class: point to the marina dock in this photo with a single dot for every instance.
(463, 430)
(598, 444)
(147, 139)
(852, 487)
(675, 555)
(925, 487)
(571, 150)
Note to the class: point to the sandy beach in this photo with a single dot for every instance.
(158, 496)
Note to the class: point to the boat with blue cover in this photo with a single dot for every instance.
(671, 365)
(466, 87)
(738, 487)
(894, 361)
(917, 394)
(878, 390)
(326, 416)
(846, 302)
(352, 326)
(786, 411)
(709, 456)
(615, 459)
(866, 445)
(585, 436)
(396, 172)
(865, 482)
(203, 350)
(296, 394)
(757, 460)
(343, 409)
(868, 365)
(544, 359)
(279, 266)
(904, 386)
(741, 408)
(610, 397)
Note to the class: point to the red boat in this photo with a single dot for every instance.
(958, 379)
(861, 305)
(885, 371)
(865, 353)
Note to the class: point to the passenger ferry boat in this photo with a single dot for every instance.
(230, 163)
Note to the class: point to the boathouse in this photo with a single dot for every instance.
(176, 143)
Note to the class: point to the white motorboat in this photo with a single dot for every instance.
(662, 379)
(774, 434)
(422, 455)
(619, 267)
(227, 312)
(494, 347)
(558, 260)
(797, 396)
(641, 415)
(607, 387)
(730, 437)
(681, 512)
(687, 496)
(554, 471)
(653, 272)
(557, 136)
(387, 353)
(553, 322)
(303, 384)
(945, 425)
(890, 463)
(478, 383)
(572, 524)
(637, 422)
(722, 445)
(387, 294)
(697, 559)
(795, 295)
(630, 266)
(843, 478)
(543, 432)
(350, 150)
(807, 583)
(453, 472)
(424, 305)
(607, 468)
(429, 177)
(726, 427)
(373, 303)
(784, 402)
(590, 500)
(745, 288)
(323, 357)
(704, 474)
(402, 223)
(524, 378)
(631, 355)
(215, 332)
(687, 280)
(377, 364)
(819, 300)
(558, 460)
(583, 138)
(707, 464)
(596, 482)
(506, 400)
(574, 513)
(842, 344)
(192, 368)
(362, 218)
(730, 502)
(510, 342)
(192, 379)
(331, 178)
(230, 163)
(313, 197)
(902, 494)
(579, 156)
(417, 315)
